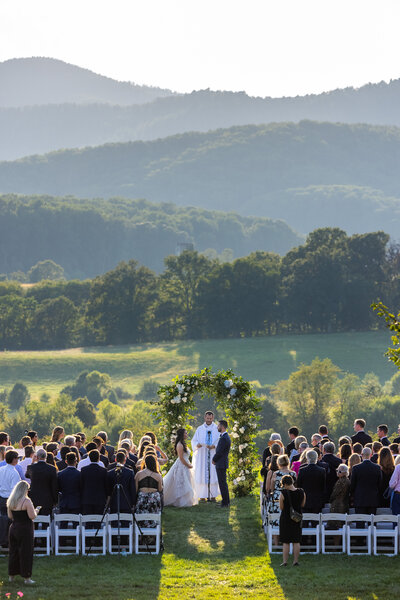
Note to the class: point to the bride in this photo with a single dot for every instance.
(179, 481)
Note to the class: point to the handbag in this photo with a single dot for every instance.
(294, 515)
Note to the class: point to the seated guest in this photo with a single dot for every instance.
(386, 463)
(126, 477)
(333, 462)
(365, 484)
(57, 435)
(108, 448)
(344, 453)
(34, 438)
(69, 486)
(360, 436)
(312, 479)
(86, 461)
(29, 458)
(149, 485)
(43, 491)
(376, 446)
(357, 448)
(382, 431)
(293, 432)
(394, 448)
(340, 497)
(94, 488)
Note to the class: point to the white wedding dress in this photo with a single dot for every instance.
(179, 485)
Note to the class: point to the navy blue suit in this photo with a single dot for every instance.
(221, 462)
(127, 480)
(94, 489)
(69, 486)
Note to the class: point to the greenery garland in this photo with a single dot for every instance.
(241, 406)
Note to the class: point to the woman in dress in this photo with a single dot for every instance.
(20, 536)
(275, 487)
(57, 435)
(386, 463)
(149, 485)
(162, 457)
(290, 530)
(179, 484)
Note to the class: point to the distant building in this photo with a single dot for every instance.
(182, 246)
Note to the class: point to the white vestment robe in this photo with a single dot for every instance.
(204, 470)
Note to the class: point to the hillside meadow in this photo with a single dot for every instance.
(263, 359)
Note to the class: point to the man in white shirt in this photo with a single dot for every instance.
(204, 443)
(85, 462)
(9, 477)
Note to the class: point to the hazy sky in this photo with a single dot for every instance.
(274, 48)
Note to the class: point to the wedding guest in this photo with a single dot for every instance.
(108, 448)
(34, 438)
(149, 485)
(360, 436)
(316, 440)
(365, 484)
(340, 497)
(396, 440)
(51, 460)
(2, 455)
(289, 530)
(22, 514)
(394, 484)
(394, 448)
(43, 491)
(386, 463)
(355, 459)
(344, 453)
(85, 462)
(29, 458)
(161, 456)
(4, 439)
(9, 477)
(126, 435)
(62, 464)
(24, 441)
(312, 479)
(102, 451)
(275, 487)
(357, 448)
(94, 489)
(382, 431)
(295, 454)
(270, 470)
(376, 446)
(126, 477)
(69, 486)
(329, 458)
(79, 444)
(57, 435)
(131, 459)
(296, 465)
(293, 432)
(273, 439)
(323, 431)
(345, 439)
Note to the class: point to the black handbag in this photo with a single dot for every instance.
(294, 515)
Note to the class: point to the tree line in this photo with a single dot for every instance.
(325, 285)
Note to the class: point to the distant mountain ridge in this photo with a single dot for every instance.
(85, 109)
(308, 174)
(38, 81)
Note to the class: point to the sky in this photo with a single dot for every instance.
(264, 47)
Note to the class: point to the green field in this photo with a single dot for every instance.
(263, 359)
(210, 554)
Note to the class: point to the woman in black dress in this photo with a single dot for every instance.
(290, 530)
(20, 537)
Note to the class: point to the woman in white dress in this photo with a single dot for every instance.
(179, 481)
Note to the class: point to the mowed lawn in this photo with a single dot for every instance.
(210, 553)
(263, 359)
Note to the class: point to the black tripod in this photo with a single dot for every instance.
(117, 489)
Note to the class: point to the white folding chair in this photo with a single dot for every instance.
(67, 526)
(355, 532)
(339, 520)
(99, 530)
(42, 525)
(385, 527)
(311, 527)
(273, 530)
(126, 531)
(152, 546)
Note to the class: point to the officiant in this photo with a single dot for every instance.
(204, 443)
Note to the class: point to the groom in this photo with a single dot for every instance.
(221, 461)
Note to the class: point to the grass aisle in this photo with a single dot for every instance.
(210, 553)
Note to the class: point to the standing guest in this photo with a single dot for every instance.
(394, 448)
(102, 451)
(344, 453)
(24, 441)
(9, 477)
(43, 491)
(52, 448)
(85, 462)
(345, 439)
(333, 462)
(149, 485)
(3, 455)
(274, 488)
(340, 497)
(29, 458)
(274, 438)
(312, 479)
(57, 435)
(108, 448)
(82, 442)
(382, 431)
(394, 484)
(51, 460)
(221, 461)
(69, 442)
(323, 431)
(126, 435)
(355, 459)
(131, 459)
(69, 486)
(357, 448)
(396, 440)
(293, 432)
(94, 488)
(34, 438)
(316, 440)
(365, 484)
(4, 439)
(161, 456)
(290, 530)
(270, 470)
(22, 513)
(386, 463)
(360, 436)
(376, 446)
(295, 454)
(126, 477)
(296, 465)
(62, 464)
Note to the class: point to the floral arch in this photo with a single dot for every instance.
(241, 406)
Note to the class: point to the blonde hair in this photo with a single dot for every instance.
(126, 435)
(19, 492)
(354, 459)
(299, 440)
(283, 460)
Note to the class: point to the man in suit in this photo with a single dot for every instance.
(333, 462)
(108, 448)
(365, 484)
(360, 436)
(221, 461)
(126, 477)
(44, 489)
(323, 432)
(293, 432)
(382, 431)
(376, 446)
(312, 479)
(69, 486)
(94, 488)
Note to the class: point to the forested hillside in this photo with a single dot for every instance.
(315, 174)
(89, 237)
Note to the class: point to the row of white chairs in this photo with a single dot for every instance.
(81, 529)
(336, 533)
